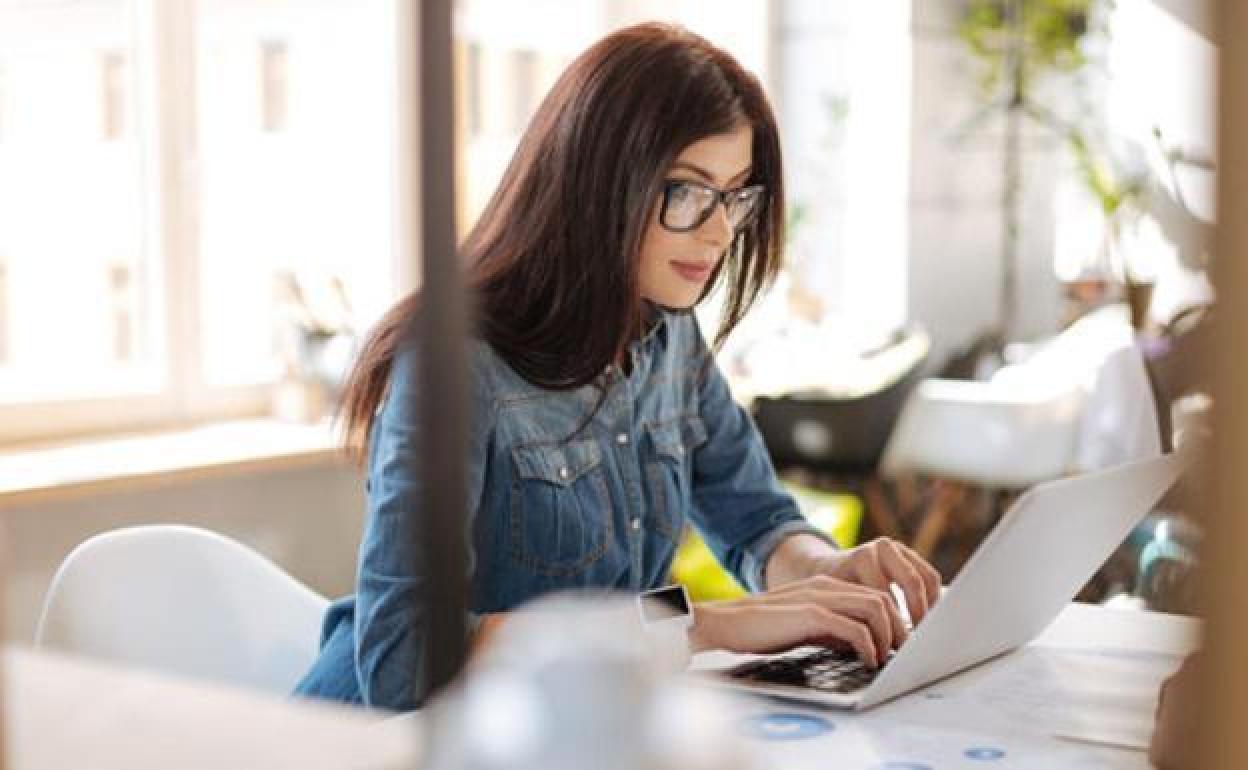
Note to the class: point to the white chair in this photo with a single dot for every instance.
(1119, 421)
(1081, 403)
(185, 601)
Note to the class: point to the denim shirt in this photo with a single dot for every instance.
(555, 508)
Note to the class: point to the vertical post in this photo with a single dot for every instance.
(443, 315)
(1012, 171)
(5, 714)
(1223, 742)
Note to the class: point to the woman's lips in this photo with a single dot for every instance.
(694, 272)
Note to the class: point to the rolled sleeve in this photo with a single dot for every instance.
(739, 505)
(758, 552)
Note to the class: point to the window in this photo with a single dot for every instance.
(512, 53)
(294, 108)
(524, 74)
(273, 84)
(472, 79)
(72, 200)
(113, 78)
(167, 168)
(4, 314)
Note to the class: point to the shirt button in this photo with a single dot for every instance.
(563, 473)
(636, 524)
(622, 438)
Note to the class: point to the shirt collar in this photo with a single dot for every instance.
(657, 320)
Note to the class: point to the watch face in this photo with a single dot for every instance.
(665, 604)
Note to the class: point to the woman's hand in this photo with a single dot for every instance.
(819, 610)
(882, 562)
(877, 564)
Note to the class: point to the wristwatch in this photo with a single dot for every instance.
(666, 616)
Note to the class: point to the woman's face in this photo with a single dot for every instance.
(675, 266)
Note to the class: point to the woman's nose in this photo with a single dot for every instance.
(717, 229)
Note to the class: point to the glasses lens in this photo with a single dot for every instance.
(685, 205)
(743, 204)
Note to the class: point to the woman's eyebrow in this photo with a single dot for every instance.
(708, 176)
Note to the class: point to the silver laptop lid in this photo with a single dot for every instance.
(1045, 548)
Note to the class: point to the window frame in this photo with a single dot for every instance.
(163, 76)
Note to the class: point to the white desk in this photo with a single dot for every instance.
(66, 713)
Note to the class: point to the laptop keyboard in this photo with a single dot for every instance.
(824, 669)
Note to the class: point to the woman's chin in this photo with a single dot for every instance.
(675, 300)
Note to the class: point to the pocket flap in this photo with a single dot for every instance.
(559, 464)
(676, 438)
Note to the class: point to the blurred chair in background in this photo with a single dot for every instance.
(185, 601)
(1080, 402)
(832, 438)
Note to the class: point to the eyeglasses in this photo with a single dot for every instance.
(687, 204)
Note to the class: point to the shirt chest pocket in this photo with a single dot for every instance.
(669, 471)
(561, 514)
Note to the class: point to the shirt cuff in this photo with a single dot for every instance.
(758, 552)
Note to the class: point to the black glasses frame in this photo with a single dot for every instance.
(716, 198)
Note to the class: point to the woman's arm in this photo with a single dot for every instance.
(739, 505)
(877, 564)
(813, 589)
(392, 582)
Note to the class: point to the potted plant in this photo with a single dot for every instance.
(1019, 44)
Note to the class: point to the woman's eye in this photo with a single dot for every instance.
(681, 193)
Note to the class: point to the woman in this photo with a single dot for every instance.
(650, 174)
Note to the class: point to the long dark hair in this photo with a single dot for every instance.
(553, 258)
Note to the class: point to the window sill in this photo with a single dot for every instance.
(128, 463)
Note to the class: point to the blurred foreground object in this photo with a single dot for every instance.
(572, 683)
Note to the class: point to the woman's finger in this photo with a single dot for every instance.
(931, 578)
(827, 624)
(900, 571)
(866, 567)
(867, 608)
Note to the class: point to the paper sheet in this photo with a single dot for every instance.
(797, 738)
(1099, 695)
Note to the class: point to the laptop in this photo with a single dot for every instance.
(1030, 566)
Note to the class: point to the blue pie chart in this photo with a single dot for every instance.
(786, 727)
(984, 753)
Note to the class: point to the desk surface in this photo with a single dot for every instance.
(65, 712)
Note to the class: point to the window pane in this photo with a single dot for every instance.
(295, 115)
(510, 54)
(76, 288)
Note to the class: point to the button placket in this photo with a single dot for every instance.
(630, 473)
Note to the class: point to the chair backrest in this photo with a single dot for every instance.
(186, 601)
(984, 433)
(843, 433)
(1120, 422)
(1081, 403)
